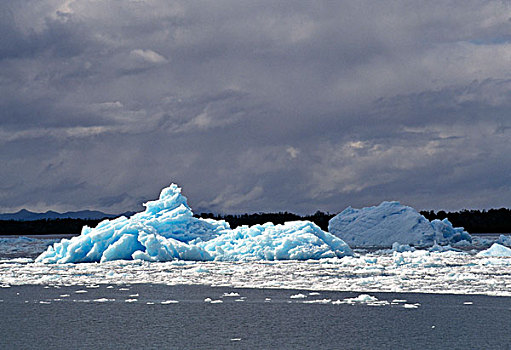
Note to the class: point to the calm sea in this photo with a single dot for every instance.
(177, 317)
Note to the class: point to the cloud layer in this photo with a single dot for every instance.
(255, 106)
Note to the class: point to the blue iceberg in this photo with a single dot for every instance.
(389, 222)
(167, 230)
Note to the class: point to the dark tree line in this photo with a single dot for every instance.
(45, 226)
(491, 221)
(474, 221)
(319, 218)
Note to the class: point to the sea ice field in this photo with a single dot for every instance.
(418, 271)
(166, 244)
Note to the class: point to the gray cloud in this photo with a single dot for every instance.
(254, 106)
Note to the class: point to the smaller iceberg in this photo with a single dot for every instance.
(496, 250)
(167, 230)
(504, 240)
(389, 222)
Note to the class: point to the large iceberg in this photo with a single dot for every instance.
(389, 222)
(167, 230)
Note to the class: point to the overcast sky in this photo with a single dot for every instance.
(255, 105)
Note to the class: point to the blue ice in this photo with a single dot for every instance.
(167, 230)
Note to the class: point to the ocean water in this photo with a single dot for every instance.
(153, 316)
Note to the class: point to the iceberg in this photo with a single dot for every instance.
(389, 222)
(167, 230)
(496, 250)
(504, 240)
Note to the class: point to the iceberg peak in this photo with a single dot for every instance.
(170, 199)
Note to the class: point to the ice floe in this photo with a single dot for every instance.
(496, 250)
(298, 296)
(362, 299)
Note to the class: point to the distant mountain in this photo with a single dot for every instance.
(26, 215)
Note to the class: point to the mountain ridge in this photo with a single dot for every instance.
(27, 215)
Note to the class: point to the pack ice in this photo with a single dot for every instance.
(389, 222)
(167, 230)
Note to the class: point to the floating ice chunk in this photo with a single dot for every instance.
(298, 296)
(80, 291)
(389, 222)
(440, 249)
(411, 306)
(398, 301)
(317, 301)
(167, 302)
(504, 240)
(361, 299)
(102, 300)
(313, 293)
(207, 300)
(216, 301)
(496, 250)
(130, 300)
(167, 230)
(400, 248)
(201, 269)
(232, 294)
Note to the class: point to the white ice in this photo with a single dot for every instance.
(420, 271)
(167, 230)
(496, 250)
(389, 222)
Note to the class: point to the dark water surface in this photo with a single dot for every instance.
(31, 318)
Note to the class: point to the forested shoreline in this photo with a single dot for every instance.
(474, 221)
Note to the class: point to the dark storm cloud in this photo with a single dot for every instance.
(254, 106)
